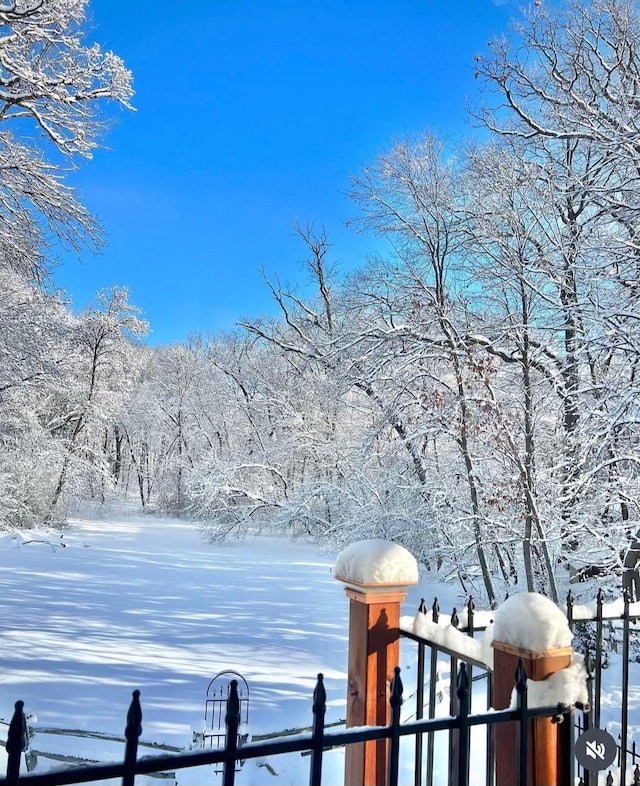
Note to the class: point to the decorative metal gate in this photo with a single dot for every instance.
(214, 734)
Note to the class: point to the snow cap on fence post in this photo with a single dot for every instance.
(376, 574)
(531, 627)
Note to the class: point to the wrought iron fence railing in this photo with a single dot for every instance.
(317, 742)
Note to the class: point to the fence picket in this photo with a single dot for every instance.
(463, 693)
(417, 777)
(433, 677)
(596, 709)
(624, 719)
(132, 735)
(317, 735)
(394, 744)
(521, 689)
(16, 743)
(231, 721)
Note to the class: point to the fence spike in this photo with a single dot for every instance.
(609, 779)
(17, 741)
(570, 602)
(521, 677)
(132, 734)
(462, 682)
(636, 775)
(435, 610)
(17, 737)
(396, 688)
(589, 664)
(455, 620)
(134, 717)
(232, 716)
(471, 607)
(422, 609)
(319, 696)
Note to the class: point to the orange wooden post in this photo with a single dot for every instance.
(374, 645)
(544, 748)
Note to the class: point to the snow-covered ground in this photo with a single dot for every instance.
(112, 606)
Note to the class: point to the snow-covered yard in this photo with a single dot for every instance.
(112, 606)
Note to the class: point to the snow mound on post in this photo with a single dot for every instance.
(532, 622)
(376, 561)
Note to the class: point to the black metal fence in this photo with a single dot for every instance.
(316, 743)
(476, 671)
(597, 634)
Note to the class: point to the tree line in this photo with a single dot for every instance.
(471, 392)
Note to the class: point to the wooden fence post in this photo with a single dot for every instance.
(376, 575)
(544, 748)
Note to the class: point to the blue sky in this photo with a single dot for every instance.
(251, 114)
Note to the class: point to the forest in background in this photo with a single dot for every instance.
(472, 394)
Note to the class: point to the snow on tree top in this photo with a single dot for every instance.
(376, 561)
(532, 622)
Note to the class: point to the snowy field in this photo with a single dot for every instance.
(114, 606)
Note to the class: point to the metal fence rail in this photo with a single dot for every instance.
(316, 743)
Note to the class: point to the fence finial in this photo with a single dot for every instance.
(319, 696)
(132, 734)
(455, 620)
(570, 602)
(435, 610)
(17, 737)
(462, 682)
(471, 607)
(521, 677)
(17, 741)
(422, 608)
(134, 718)
(396, 688)
(232, 716)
